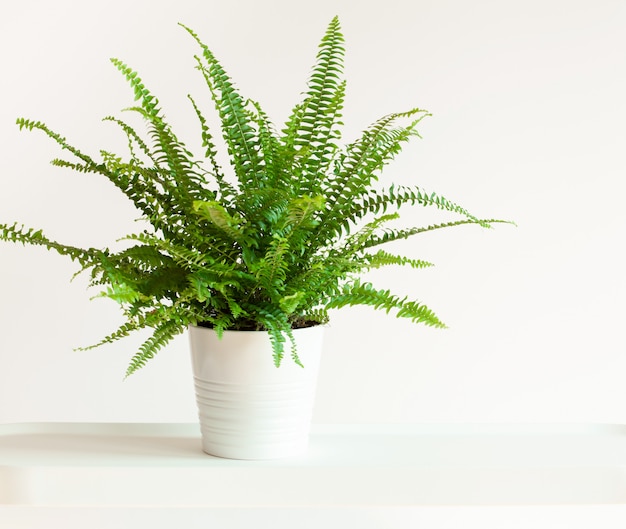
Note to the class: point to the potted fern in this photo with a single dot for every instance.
(256, 254)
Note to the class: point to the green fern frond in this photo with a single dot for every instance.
(140, 185)
(301, 212)
(313, 123)
(217, 276)
(269, 143)
(265, 209)
(189, 258)
(219, 216)
(277, 340)
(358, 293)
(382, 258)
(396, 197)
(144, 256)
(168, 149)
(133, 139)
(276, 323)
(271, 270)
(323, 84)
(390, 235)
(148, 101)
(211, 151)
(122, 332)
(348, 191)
(289, 304)
(162, 335)
(122, 293)
(294, 348)
(20, 234)
(318, 315)
(356, 241)
(30, 125)
(238, 132)
(363, 158)
(79, 167)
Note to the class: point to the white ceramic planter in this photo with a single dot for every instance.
(248, 408)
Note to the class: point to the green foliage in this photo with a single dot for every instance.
(274, 244)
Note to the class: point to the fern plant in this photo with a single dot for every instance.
(272, 243)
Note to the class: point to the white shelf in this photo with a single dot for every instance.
(384, 466)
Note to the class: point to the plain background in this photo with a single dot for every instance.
(528, 124)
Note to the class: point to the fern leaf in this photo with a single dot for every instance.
(187, 257)
(301, 212)
(318, 315)
(378, 144)
(276, 324)
(294, 347)
(390, 235)
(356, 241)
(163, 334)
(169, 149)
(358, 293)
(396, 197)
(271, 270)
(269, 148)
(79, 167)
(133, 139)
(313, 122)
(30, 125)
(122, 332)
(211, 150)
(21, 234)
(217, 214)
(382, 258)
(289, 304)
(238, 132)
(122, 293)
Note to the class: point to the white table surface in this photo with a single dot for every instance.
(100, 465)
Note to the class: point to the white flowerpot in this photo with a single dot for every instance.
(248, 408)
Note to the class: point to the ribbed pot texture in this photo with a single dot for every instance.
(248, 408)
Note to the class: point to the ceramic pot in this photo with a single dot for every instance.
(248, 408)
